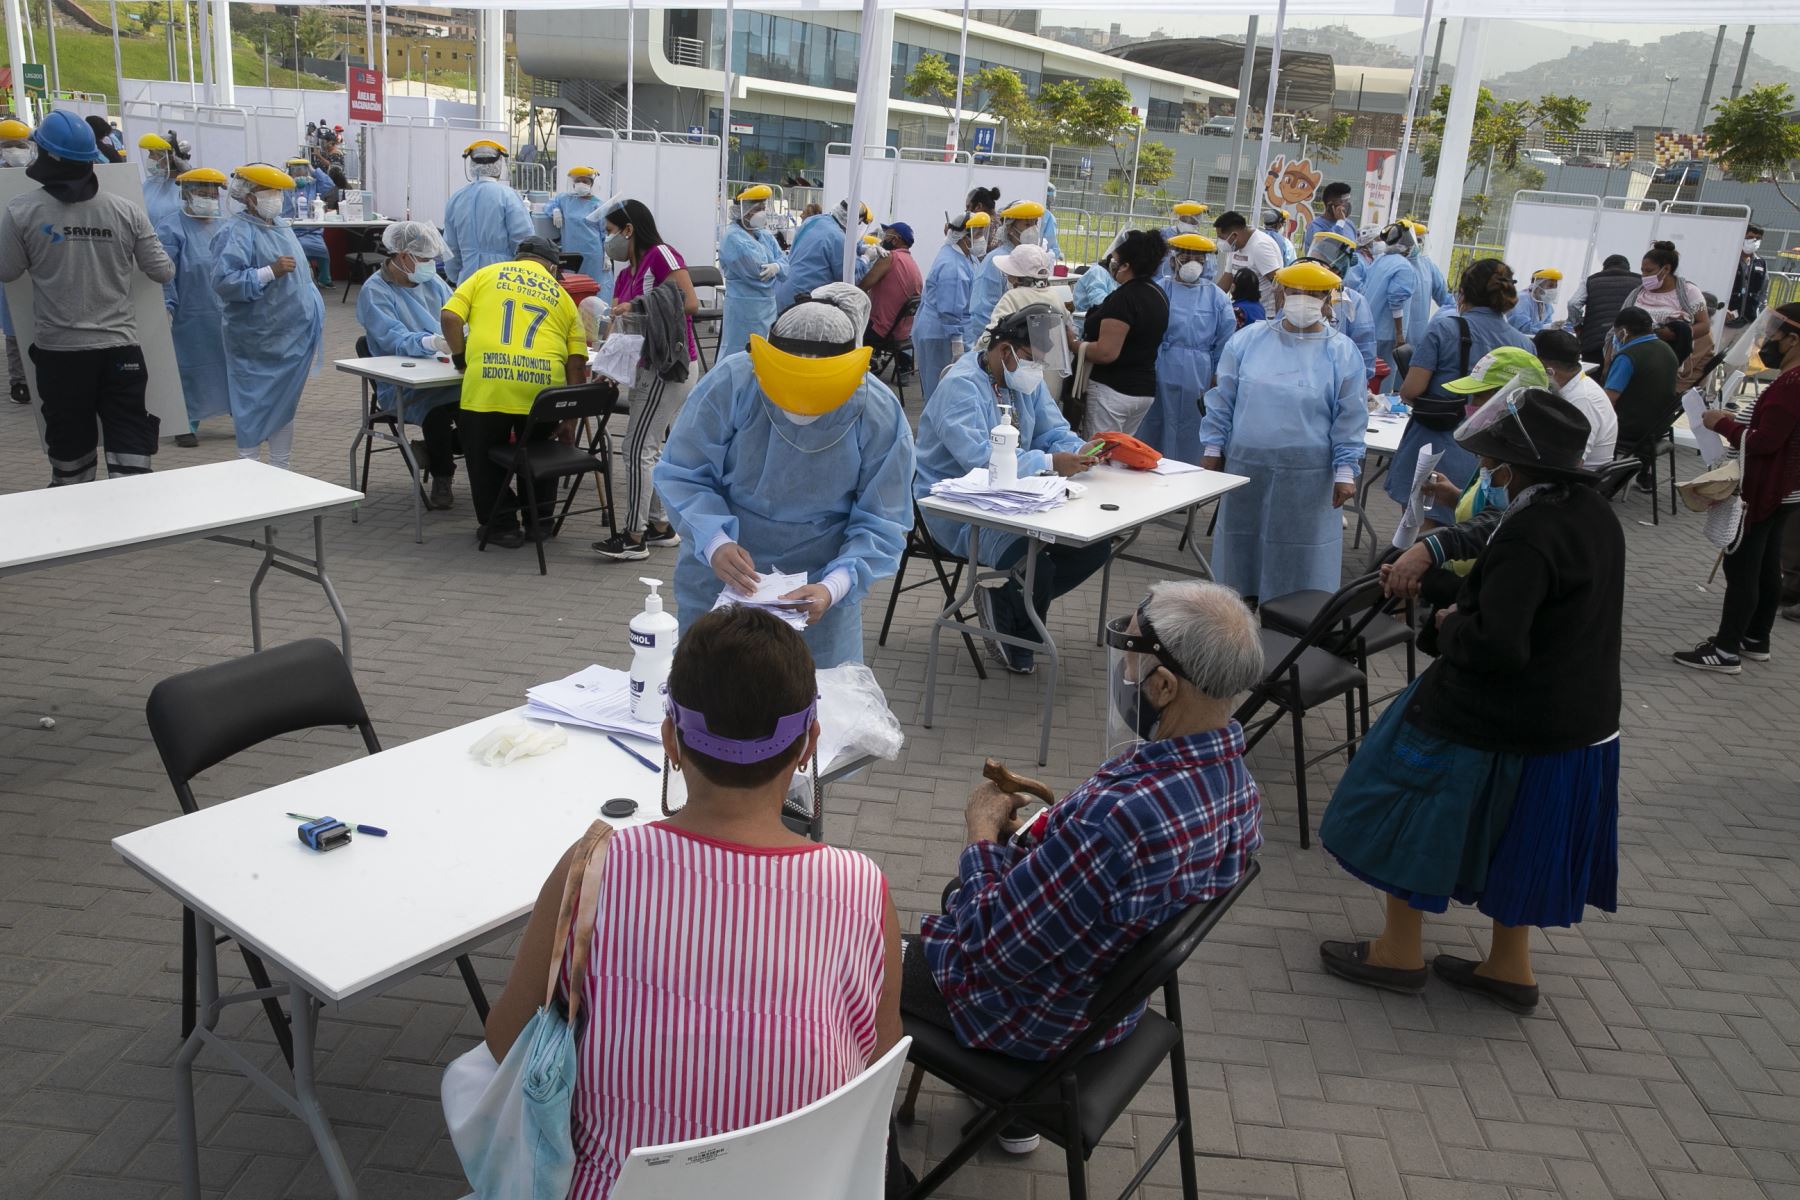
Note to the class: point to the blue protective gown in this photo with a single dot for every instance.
(813, 498)
(1358, 272)
(1201, 321)
(1431, 293)
(162, 199)
(749, 298)
(1285, 244)
(584, 237)
(296, 205)
(194, 314)
(989, 285)
(1531, 314)
(484, 222)
(1350, 317)
(816, 257)
(403, 320)
(954, 434)
(1288, 410)
(1388, 285)
(1095, 284)
(1047, 234)
(943, 311)
(272, 330)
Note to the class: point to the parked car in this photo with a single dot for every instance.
(1543, 158)
(1219, 127)
(1683, 171)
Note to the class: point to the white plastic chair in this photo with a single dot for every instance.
(833, 1149)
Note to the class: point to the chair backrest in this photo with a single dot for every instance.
(1339, 622)
(833, 1149)
(1159, 954)
(1615, 474)
(705, 276)
(362, 347)
(201, 718)
(574, 401)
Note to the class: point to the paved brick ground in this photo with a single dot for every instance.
(1661, 1067)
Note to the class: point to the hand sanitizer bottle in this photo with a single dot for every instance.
(1003, 459)
(318, 209)
(652, 650)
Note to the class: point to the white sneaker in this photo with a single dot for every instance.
(1017, 1139)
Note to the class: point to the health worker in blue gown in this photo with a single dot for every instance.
(274, 318)
(162, 196)
(754, 266)
(817, 256)
(1020, 225)
(1201, 321)
(297, 205)
(401, 310)
(1536, 309)
(1388, 285)
(1288, 413)
(196, 322)
(571, 212)
(1348, 312)
(1432, 292)
(937, 332)
(484, 220)
(792, 458)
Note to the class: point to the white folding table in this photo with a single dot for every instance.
(54, 526)
(468, 847)
(406, 372)
(1116, 502)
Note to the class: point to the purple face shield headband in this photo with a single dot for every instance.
(691, 723)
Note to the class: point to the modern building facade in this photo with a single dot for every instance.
(795, 76)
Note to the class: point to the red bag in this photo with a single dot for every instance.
(1127, 451)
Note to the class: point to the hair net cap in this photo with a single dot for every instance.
(416, 238)
(1367, 235)
(836, 312)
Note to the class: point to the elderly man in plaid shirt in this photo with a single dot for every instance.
(1030, 931)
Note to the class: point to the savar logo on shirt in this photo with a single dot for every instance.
(51, 231)
(79, 233)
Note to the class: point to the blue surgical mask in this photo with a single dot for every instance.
(424, 271)
(1492, 494)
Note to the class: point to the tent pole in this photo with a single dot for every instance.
(1259, 184)
(725, 121)
(206, 57)
(1246, 78)
(55, 79)
(118, 62)
(224, 70)
(15, 52)
(867, 79)
(1412, 108)
(1453, 157)
(953, 140)
(631, 61)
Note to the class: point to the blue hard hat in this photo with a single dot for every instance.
(68, 137)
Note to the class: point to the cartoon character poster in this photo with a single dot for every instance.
(1290, 186)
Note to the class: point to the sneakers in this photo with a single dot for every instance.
(1642, 485)
(1707, 657)
(440, 492)
(187, 441)
(666, 536)
(619, 548)
(21, 392)
(1754, 651)
(1017, 1138)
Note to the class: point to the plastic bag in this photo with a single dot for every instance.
(854, 721)
(618, 358)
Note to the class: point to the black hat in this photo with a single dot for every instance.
(539, 247)
(1535, 429)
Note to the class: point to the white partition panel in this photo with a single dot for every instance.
(163, 394)
(81, 108)
(1622, 228)
(923, 187)
(1710, 238)
(275, 134)
(415, 164)
(880, 170)
(676, 178)
(1552, 229)
(332, 107)
(223, 138)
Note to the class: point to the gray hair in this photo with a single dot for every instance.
(1211, 633)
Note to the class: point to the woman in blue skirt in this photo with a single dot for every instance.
(1493, 780)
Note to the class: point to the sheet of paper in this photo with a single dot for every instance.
(595, 697)
(1173, 466)
(1407, 531)
(1711, 446)
(771, 586)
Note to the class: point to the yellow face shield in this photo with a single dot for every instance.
(808, 387)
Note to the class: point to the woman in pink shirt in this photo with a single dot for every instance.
(644, 261)
(737, 971)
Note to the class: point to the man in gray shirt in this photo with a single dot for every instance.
(80, 246)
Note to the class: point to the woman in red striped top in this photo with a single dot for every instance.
(738, 971)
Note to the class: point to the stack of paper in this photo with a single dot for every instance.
(594, 698)
(770, 589)
(1033, 493)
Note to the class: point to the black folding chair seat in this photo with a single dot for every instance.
(546, 460)
(1321, 674)
(536, 458)
(1616, 474)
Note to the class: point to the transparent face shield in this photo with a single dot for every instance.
(1133, 654)
(1502, 406)
(1748, 346)
(1049, 344)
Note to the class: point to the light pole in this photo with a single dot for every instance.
(1663, 122)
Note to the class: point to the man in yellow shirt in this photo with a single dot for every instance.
(523, 335)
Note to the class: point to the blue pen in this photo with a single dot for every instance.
(627, 749)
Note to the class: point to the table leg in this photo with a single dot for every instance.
(187, 1132)
(325, 582)
(305, 1020)
(1046, 647)
(1106, 582)
(362, 434)
(256, 582)
(947, 619)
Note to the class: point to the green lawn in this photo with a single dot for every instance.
(86, 62)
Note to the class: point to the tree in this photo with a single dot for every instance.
(992, 92)
(1756, 135)
(1155, 163)
(1323, 139)
(1500, 128)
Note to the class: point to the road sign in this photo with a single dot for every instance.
(1087, 166)
(981, 143)
(36, 83)
(695, 133)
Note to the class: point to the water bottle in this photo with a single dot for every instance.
(1003, 459)
(652, 650)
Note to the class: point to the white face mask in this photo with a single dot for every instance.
(1190, 272)
(583, 188)
(1547, 294)
(156, 168)
(1026, 235)
(16, 156)
(203, 206)
(1752, 245)
(978, 245)
(268, 205)
(1303, 312)
(757, 220)
(795, 418)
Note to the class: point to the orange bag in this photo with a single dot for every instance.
(1127, 451)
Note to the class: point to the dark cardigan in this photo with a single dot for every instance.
(1770, 446)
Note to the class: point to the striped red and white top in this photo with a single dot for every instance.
(727, 985)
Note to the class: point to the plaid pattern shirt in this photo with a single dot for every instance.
(1029, 934)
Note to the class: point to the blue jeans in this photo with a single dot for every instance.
(1060, 570)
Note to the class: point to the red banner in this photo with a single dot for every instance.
(365, 95)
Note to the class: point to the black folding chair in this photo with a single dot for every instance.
(200, 718)
(1306, 672)
(536, 458)
(1294, 613)
(712, 314)
(1074, 1098)
(374, 417)
(894, 354)
(1616, 474)
(920, 544)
